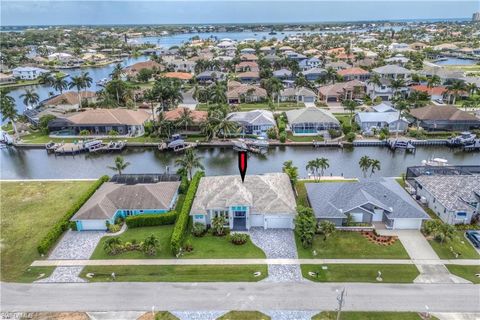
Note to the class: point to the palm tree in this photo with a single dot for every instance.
(111, 244)
(185, 118)
(116, 72)
(396, 85)
(30, 98)
(375, 165)
(59, 83)
(219, 94)
(291, 171)
(331, 74)
(455, 88)
(87, 80)
(350, 105)
(78, 84)
(120, 165)
(189, 162)
(402, 106)
(322, 164)
(434, 81)
(312, 166)
(226, 127)
(365, 163)
(8, 110)
(45, 78)
(375, 80)
(164, 126)
(471, 88)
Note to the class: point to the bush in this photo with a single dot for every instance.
(239, 238)
(283, 137)
(43, 122)
(464, 227)
(350, 136)
(334, 133)
(112, 133)
(184, 184)
(382, 136)
(58, 228)
(272, 133)
(150, 220)
(199, 229)
(84, 133)
(113, 228)
(181, 224)
(346, 128)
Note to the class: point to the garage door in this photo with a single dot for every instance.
(256, 220)
(407, 224)
(277, 222)
(93, 225)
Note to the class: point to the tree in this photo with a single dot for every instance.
(112, 245)
(350, 105)
(150, 245)
(455, 88)
(218, 225)
(77, 83)
(8, 109)
(226, 127)
(433, 81)
(59, 83)
(30, 98)
(305, 226)
(189, 161)
(396, 85)
(144, 75)
(45, 78)
(120, 165)
(365, 163)
(322, 165)
(312, 167)
(116, 72)
(87, 80)
(291, 171)
(165, 126)
(402, 106)
(444, 232)
(374, 165)
(185, 118)
(43, 122)
(331, 74)
(327, 228)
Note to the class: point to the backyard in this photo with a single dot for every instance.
(459, 244)
(391, 273)
(350, 245)
(28, 206)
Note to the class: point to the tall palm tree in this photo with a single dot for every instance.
(322, 164)
(116, 72)
(30, 98)
(78, 84)
(312, 166)
(331, 74)
(374, 165)
(396, 85)
(375, 80)
(164, 126)
(219, 94)
(471, 88)
(455, 88)
(433, 81)
(120, 165)
(350, 105)
(45, 78)
(189, 162)
(226, 127)
(402, 106)
(185, 118)
(59, 83)
(87, 80)
(365, 163)
(8, 109)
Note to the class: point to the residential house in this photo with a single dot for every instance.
(307, 64)
(311, 121)
(453, 198)
(340, 91)
(247, 51)
(238, 93)
(440, 118)
(245, 66)
(435, 93)
(102, 121)
(28, 73)
(248, 77)
(314, 74)
(198, 117)
(375, 121)
(354, 74)
(283, 74)
(337, 65)
(7, 78)
(248, 57)
(265, 201)
(255, 122)
(210, 76)
(127, 195)
(266, 50)
(391, 71)
(69, 100)
(182, 76)
(384, 91)
(369, 201)
(300, 94)
(447, 76)
(384, 107)
(133, 70)
(398, 59)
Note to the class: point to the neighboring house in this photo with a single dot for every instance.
(69, 100)
(301, 94)
(182, 65)
(7, 78)
(311, 121)
(391, 71)
(435, 93)
(367, 201)
(255, 122)
(340, 91)
(398, 59)
(198, 117)
(28, 73)
(248, 57)
(439, 118)
(133, 70)
(384, 91)
(354, 74)
(369, 121)
(292, 55)
(307, 64)
(337, 65)
(264, 201)
(248, 77)
(245, 66)
(384, 107)
(314, 74)
(238, 93)
(127, 195)
(454, 198)
(247, 51)
(267, 50)
(210, 76)
(102, 121)
(283, 74)
(447, 76)
(183, 76)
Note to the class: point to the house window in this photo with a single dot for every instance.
(198, 217)
(461, 215)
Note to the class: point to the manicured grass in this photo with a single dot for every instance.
(244, 315)
(350, 245)
(163, 315)
(466, 272)
(302, 191)
(283, 106)
(459, 244)
(189, 273)
(32, 274)
(343, 117)
(27, 211)
(359, 315)
(391, 273)
(291, 137)
(212, 247)
(163, 234)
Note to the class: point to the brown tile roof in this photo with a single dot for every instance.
(196, 115)
(69, 98)
(178, 75)
(339, 87)
(352, 71)
(135, 68)
(110, 116)
(248, 74)
(442, 113)
(236, 89)
(248, 57)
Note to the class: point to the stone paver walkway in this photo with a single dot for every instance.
(278, 244)
(290, 314)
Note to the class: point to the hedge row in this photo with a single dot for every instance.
(150, 220)
(57, 230)
(181, 225)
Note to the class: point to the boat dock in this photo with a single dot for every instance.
(91, 146)
(320, 144)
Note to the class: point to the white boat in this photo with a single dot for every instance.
(464, 138)
(435, 162)
(260, 142)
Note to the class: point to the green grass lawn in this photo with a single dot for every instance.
(391, 273)
(244, 315)
(466, 272)
(27, 211)
(302, 191)
(163, 315)
(459, 244)
(360, 315)
(32, 274)
(211, 247)
(189, 273)
(350, 245)
(291, 137)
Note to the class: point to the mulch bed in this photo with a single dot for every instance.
(378, 239)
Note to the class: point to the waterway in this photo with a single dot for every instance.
(456, 62)
(37, 164)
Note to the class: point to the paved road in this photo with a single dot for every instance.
(238, 296)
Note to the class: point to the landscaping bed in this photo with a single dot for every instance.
(180, 273)
(375, 238)
(391, 273)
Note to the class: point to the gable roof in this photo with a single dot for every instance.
(111, 197)
(333, 200)
(310, 114)
(265, 194)
(352, 71)
(387, 117)
(68, 98)
(178, 75)
(384, 107)
(110, 116)
(428, 90)
(236, 89)
(196, 115)
(339, 87)
(254, 117)
(450, 113)
(391, 69)
(302, 91)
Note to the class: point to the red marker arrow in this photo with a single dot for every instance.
(242, 164)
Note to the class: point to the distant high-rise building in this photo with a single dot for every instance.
(476, 17)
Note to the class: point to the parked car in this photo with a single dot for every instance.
(474, 237)
(439, 101)
(359, 102)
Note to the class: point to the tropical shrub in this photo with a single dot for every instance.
(181, 224)
(149, 245)
(282, 137)
(43, 122)
(350, 136)
(199, 229)
(113, 228)
(272, 133)
(218, 225)
(238, 238)
(84, 133)
(327, 228)
(188, 246)
(58, 228)
(113, 133)
(305, 226)
(334, 133)
(150, 220)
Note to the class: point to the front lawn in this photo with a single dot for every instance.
(391, 273)
(350, 245)
(180, 273)
(244, 315)
(466, 272)
(27, 211)
(162, 315)
(458, 244)
(212, 247)
(32, 274)
(361, 315)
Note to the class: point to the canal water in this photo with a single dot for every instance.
(451, 61)
(37, 164)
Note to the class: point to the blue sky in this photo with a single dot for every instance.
(195, 11)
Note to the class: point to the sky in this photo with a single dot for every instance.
(43, 12)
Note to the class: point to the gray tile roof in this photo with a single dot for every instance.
(391, 69)
(310, 114)
(331, 200)
(254, 117)
(453, 191)
(111, 197)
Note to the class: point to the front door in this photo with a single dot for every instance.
(239, 220)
